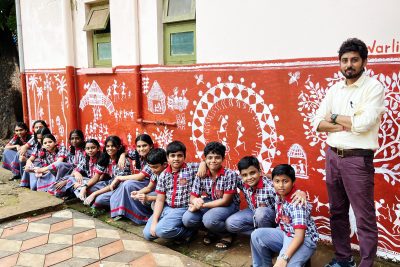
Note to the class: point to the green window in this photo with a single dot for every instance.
(98, 22)
(179, 32)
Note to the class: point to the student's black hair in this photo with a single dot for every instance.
(354, 45)
(43, 132)
(24, 126)
(40, 121)
(97, 144)
(81, 145)
(247, 162)
(147, 139)
(105, 158)
(156, 156)
(42, 149)
(176, 146)
(284, 169)
(215, 148)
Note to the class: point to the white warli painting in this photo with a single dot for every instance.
(297, 158)
(163, 136)
(181, 121)
(156, 99)
(384, 161)
(40, 88)
(214, 99)
(178, 100)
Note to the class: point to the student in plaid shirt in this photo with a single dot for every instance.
(157, 161)
(10, 154)
(213, 198)
(295, 238)
(173, 193)
(27, 149)
(48, 156)
(260, 197)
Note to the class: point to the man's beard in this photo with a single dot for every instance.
(353, 75)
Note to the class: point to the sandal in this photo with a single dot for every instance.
(209, 238)
(224, 243)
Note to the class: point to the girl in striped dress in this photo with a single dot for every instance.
(10, 154)
(105, 171)
(74, 155)
(85, 168)
(121, 203)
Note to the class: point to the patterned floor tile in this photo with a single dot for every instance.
(40, 217)
(140, 246)
(14, 230)
(110, 233)
(10, 245)
(39, 228)
(75, 262)
(51, 220)
(34, 242)
(63, 214)
(85, 252)
(9, 260)
(46, 249)
(34, 260)
(23, 236)
(84, 236)
(58, 256)
(84, 223)
(111, 249)
(60, 239)
(97, 242)
(61, 225)
(168, 260)
(124, 257)
(13, 223)
(147, 260)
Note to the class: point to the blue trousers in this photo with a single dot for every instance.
(266, 241)
(246, 220)
(212, 219)
(169, 225)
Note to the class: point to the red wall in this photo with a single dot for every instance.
(260, 108)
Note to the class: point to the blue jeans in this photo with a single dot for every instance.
(169, 225)
(266, 241)
(245, 221)
(212, 219)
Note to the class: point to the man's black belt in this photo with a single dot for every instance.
(353, 152)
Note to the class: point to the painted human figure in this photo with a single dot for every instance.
(223, 126)
(240, 129)
(351, 114)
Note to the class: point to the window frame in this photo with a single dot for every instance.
(170, 28)
(89, 27)
(101, 38)
(184, 17)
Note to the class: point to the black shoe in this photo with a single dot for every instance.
(15, 177)
(336, 263)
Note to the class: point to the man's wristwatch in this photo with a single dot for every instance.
(284, 257)
(333, 118)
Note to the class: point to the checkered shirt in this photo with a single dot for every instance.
(76, 158)
(177, 186)
(261, 195)
(290, 217)
(32, 142)
(46, 158)
(113, 170)
(16, 140)
(225, 183)
(87, 167)
(146, 170)
(154, 178)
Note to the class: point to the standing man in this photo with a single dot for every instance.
(350, 114)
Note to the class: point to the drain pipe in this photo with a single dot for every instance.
(22, 76)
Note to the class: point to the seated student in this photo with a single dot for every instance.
(213, 198)
(295, 238)
(85, 168)
(106, 168)
(75, 153)
(10, 154)
(121, 203)
(49, 155)
(28, 180)
(173, 193)
(260, 197)
(157, 161)
(27, 149)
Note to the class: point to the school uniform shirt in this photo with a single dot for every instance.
(154, 178)
(16, 140)
(87, 166)
(290, 217)
(32, 142)
(177, 186)
(74, 159)
(261, 195)
(225, 183)
(113, 170)
(47, 158)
